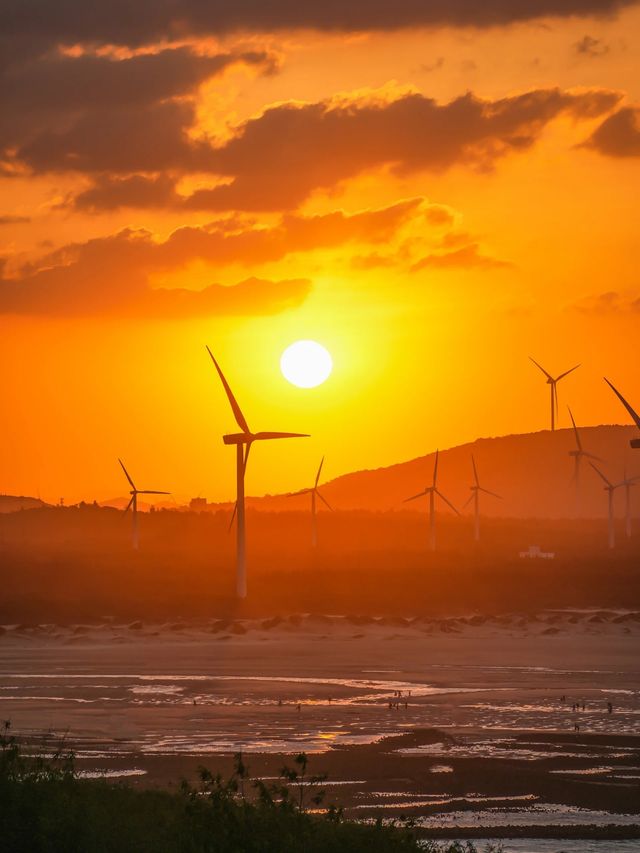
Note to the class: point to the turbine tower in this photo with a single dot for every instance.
(628, 482)
(432, 491)
(475, 497)
(635, 442)
(133, 504)
(610, 488)
(578, 455)
(553, 388)
(243, 441)
(315, 493)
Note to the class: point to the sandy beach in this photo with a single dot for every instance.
(473, 727)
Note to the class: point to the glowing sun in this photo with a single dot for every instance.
(306, 364)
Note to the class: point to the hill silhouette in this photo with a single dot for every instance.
(14, 503)
(532, 472)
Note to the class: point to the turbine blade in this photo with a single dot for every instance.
(575, 429)
(126, 474)
(566, 373)
(246, 458)
(264, 436)
(129, 505)
(447, 501)
(591, 456)
(435, 469)
(414, 497)
(318, 474)
(467, 502)
(540, 367)
(634, 415)
(326, 503)
(475, 470)
(600, 474)
(151, 492)
(493, 494)
(233, 517)
(235, 408)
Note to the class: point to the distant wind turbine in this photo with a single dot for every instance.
(553, 388)
(243, 440)
(635, 442)
(432, 491)
(610, 488)
(475, 497)
(133, 504)
(628, 482)
(578, 455)
(315, 493)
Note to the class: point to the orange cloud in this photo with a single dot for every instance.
(111, 275)
(618, 135)
(610, 302)
(279, 159)
(112, 291)
(469, 257)
(93, 112)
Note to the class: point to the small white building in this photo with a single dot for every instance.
(535, 552)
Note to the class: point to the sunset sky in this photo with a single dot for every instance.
(432, 190)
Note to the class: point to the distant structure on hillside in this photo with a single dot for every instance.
(535, 552)
(198, 505)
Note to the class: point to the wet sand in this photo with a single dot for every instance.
(480, 737)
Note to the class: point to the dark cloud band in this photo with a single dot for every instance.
(145, 21)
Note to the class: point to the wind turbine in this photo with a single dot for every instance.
(475, 497)
(133, 504)
(432, 491)
(553, 388)
(610, 488)
(315, 493)
(635, 442)
(243, 441)
(628, 482)
(578, 455)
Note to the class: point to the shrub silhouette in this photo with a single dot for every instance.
(46, 808)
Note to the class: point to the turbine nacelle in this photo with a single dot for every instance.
(552, 381)
(583, 454)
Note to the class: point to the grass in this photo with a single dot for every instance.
(46, 808)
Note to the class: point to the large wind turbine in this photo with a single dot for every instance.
(635, 442)
(432, 491)
(475, 497)
(315, 493)
(133, 504)
(578, 455)
(610, 488)
(243, 440)
(553, 388)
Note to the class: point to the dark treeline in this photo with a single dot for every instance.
(74, 564)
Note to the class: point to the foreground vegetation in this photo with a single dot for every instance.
(46, 808)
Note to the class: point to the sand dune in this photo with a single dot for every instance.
(564, 623)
